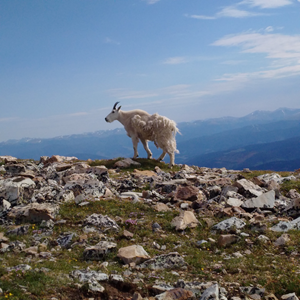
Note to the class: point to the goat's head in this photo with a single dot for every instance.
(114, 114)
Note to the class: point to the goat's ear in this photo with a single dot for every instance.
(119, 108)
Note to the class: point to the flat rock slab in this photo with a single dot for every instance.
(34, 212)
(266, 200)
(247, 187)
(7, 158)
(133, 254)
(125, 163)
(175, 294)
(234, 202)
(172, 260)
(161, 207)
(228, 224)
(144, 173)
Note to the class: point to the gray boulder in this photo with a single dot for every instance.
(98, 251)
(284, 226)
(102, 222)
(211, 293)
(88, 275)
(248, 188)
(17, 189)
(172, 260)
(229, 224)
(34, 212)
(266, 200)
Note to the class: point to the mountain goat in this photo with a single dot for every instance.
(145, 127)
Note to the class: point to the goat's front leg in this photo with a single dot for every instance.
(145, 144)
(172, 158)
(135, 141)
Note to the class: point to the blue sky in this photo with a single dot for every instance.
(64, 63)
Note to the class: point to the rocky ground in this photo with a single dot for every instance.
(123, 229)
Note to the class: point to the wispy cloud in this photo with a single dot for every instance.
(201, 17)
(283, 52)
(176, 60)
(277, 46)
(151, 1)
(233, 62)
(108, 40)
(234, 11)
(8, 119)
(266, 74)
(266, 3)
(178, 92)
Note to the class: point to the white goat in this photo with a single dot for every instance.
(145, 127)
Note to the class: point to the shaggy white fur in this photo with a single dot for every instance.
(145, 127)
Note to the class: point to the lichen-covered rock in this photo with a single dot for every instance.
(88, 275)
(172, 260)
(17, 189)
(228, 224)
(98, 251)
(102, 222)
(211, 293)
(65, 239)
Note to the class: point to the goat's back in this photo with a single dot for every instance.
(159, 129)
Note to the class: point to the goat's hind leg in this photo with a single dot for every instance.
(145, 144)
(135, 141)
(162, 156)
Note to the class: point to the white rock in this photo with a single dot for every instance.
(134, 253)
(234, 202)
(291, 296)
(184, 220)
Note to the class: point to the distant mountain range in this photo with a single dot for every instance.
(265, 140)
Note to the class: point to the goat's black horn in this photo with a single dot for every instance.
(115, 106)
